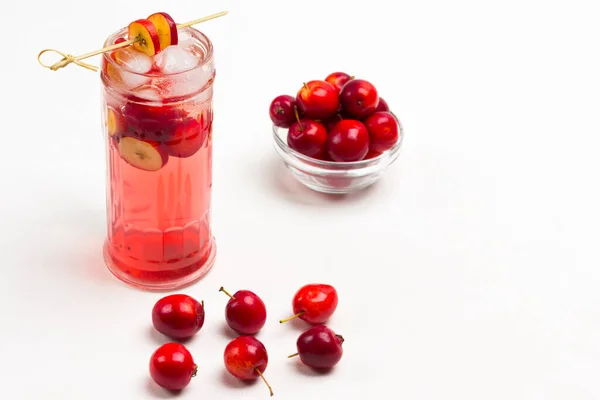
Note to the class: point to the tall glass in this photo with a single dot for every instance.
(158, 135)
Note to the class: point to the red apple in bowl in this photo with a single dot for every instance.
(317, 100)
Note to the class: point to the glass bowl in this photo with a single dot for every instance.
(334, 177)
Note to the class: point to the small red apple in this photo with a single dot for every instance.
(359, 98)
(338, 79)
(383, 130)
(308, 137)
(348, 141)
(317, 100)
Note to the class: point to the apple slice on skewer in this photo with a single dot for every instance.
(166, 28)
(147, 35)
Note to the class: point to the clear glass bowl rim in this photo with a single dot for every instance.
(335, 165)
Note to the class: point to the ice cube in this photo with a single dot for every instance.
(132, 81)
(133, 64)
(175, 59)
(184, 34)
(150, 93)
(188, 83)
(133, 60)
(185, 84)
(188, 44)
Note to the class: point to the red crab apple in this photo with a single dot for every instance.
(245, 312)
(317, 100)
(172, 366)
(332, 121)
(359, 98)
(281, 111)
(178, 316)
(383, 130)
(348, 141)
(338, 79)
(382, 105)
(314, 303)
(308, 137)
(372, 154)
(319, 347)
(246, 358)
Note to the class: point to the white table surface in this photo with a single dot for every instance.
(470, 272)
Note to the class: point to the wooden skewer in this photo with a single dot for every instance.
(68, 58)
(203, 19)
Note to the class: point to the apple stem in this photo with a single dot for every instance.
(226, 292)
(340, 337)
(351, 77)
(293, 355)
(195, 370)
(291, 318)
(264, 380)
(306, 86)
(298, 117)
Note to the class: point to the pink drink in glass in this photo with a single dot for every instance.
(157, 114)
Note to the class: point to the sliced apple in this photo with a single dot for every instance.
(166, 28)
(112, 121)
(147, 156)
(117, 41)
(112, 73)
(147, 35)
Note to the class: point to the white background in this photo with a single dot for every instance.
(470, 272)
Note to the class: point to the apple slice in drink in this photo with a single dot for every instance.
(113, 121)
(166, 28)
(147, 35)
(145, 155)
